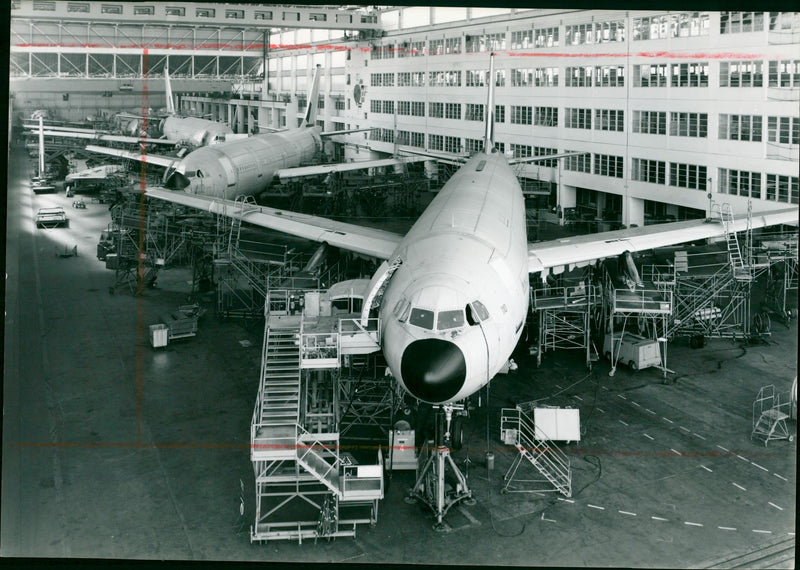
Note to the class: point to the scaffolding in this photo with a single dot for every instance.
(306, 487)
(645, 308)
(564, 319)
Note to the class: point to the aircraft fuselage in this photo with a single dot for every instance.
(194, 131)
(453, 312)
(245, 166)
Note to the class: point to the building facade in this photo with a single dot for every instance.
(673, 110)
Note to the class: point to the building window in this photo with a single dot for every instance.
(653, 171)
(578, 118)
(578, 163)
(546, 37)
(388, 79)
(545, 77)
(111, 9)
(521, 115)
(546, 116)
(175, 11)
(78, 7)
(579, 76)
(452, 45)
(452, 144)
(404, 79)
(499, 114)
(521, 77)
(485, 42)
(740, 127)
(578, 34)
(687, 176)
(741, 74)
(684, 25)
(435, 110)
(477, 78)
(444, 78)
(543, 151)
(520, 150)
(649, 75)
(473, 145)
(650, 122)
(144, 10)
(204, 12)
(376, 79)
(689, 74)
(418, 78)
(418, 140)
(522, 39)
(781, 188)
(388, 107)
(375, 106)
(415, 49)
(452, 111)
(436, 142)
(609, 120)
(402, 137)
(740, 183)
(417, 109)
(404, 107)
(783, 130)
(262, 15)
(500, 146)
(609, 76)
(784, 73)
(44, 6)
(739, 22)
(234, 14)
(436, 47)
(688, 125)
(474, 112)
(608, 165)
(318, 17)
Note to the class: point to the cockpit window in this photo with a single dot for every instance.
(421, 318)
(401, 310)
(450, 319)
(199, 173)
(476, 312)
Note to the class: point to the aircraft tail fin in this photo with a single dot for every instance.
(488, 133)
(170, 102)
(313, 101)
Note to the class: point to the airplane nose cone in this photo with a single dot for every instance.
(433, 370)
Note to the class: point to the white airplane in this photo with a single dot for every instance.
(452, 294)
(175, 129)
(247, 166)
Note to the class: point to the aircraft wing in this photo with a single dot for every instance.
(102, 137)
(299, 171)
(455, 159)
(367, 241)
(158, 160)
(557, 255)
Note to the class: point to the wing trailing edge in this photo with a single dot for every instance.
(577, 251)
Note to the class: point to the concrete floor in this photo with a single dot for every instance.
(114, 450)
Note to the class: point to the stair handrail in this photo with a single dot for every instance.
(534, 438)
(311, 441)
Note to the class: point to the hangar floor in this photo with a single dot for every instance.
(114, 450)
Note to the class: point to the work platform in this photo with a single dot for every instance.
(306, 486)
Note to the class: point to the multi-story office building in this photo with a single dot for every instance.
(673, 110)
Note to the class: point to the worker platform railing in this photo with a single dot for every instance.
(517, 429)
(564, 318)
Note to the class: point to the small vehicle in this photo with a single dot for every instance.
(51, 218)
(634, 350)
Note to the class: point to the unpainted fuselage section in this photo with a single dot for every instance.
(194, 131)
(454, 310)
(243, 167)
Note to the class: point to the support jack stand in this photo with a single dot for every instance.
(431, 486)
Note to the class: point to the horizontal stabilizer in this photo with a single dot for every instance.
(103, 137)
(165, 161)
(455, 159)
(367, 241)
(577, 251)
(542, 158)
(347, 131)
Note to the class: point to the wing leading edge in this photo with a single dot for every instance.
(359, 239)
(558, 255)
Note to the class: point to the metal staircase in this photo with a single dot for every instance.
(741, 270)
(518, 429)
(694, 303)
(278, 405)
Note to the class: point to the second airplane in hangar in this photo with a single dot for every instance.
(452, 294)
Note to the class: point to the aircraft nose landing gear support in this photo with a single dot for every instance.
(440, 484)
